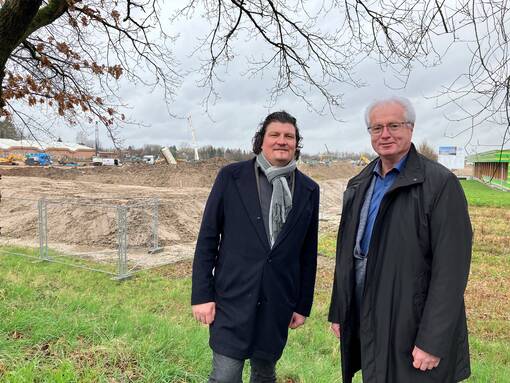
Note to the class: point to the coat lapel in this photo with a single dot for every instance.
(413, 172)
(299, 200)
(247, 188)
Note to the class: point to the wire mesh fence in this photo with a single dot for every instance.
(117, 236)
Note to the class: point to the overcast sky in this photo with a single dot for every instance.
(244, 103)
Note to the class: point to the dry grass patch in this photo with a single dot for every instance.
(325, 272)
(114, 361)
(491, 227)
(176, 270)
(488, 291)
(487, 297)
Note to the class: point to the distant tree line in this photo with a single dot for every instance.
(186, 152)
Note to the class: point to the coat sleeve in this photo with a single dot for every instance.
(451, 239)
(333, 316)
(206, 251)
(309, 260)
(334, 306)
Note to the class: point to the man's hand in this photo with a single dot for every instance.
(423, 360)
(335, 328)
(204, 312)
(296, 320)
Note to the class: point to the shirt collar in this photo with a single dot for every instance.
(398, 166)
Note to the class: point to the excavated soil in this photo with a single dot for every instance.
(82, 205)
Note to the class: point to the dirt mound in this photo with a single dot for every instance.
(332, 170)
(184, 174)
(85, 213)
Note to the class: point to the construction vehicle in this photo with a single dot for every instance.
(98, 161)
(363, 160)
(65, 161)
(11, 159)
(38, 159)
(326, 157)
(149, 159)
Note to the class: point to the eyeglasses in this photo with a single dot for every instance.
(392, 127)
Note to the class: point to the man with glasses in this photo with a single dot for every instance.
(402, 263)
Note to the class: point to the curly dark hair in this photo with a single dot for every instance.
(283, 117)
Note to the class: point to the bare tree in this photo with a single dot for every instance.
(403, 33)
(427, 150)
(67, 55)
(398, 34)
(302, 53)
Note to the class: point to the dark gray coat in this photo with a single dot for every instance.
(256, 288)
(417, 270)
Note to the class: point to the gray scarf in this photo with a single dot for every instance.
(281, 199)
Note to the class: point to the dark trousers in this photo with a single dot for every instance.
(230, 370)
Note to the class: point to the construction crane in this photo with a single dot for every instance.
(193, 139)
(325, 157)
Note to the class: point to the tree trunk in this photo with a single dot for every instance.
(15, 17)
(20, 18)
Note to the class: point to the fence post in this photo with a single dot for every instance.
(155, 226)
(122, 267)
(43, 228)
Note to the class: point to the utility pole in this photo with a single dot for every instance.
(96, 144)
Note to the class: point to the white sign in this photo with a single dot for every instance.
(453, 157)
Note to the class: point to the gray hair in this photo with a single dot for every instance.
(409, 113)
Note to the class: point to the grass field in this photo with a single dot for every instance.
(479, 194)
(60, 324)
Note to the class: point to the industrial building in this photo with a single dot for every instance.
(57, 150)
(492, 166)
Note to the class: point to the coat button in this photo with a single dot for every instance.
(258, 303)
(269, 260)
(258, 218)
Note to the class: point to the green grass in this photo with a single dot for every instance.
(61, 324)
(494, 181)
(327, 244)
(60, 321)
(479, 194)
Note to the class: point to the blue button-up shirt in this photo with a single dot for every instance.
(382, 184)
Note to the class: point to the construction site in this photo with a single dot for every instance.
(126, 218)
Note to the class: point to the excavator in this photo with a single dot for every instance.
(363, 160)
(11, 159)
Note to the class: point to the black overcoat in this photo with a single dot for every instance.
(417, 270)
(256, 288)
